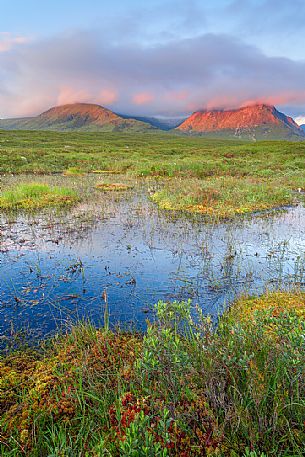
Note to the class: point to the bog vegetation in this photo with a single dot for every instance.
(184, 388)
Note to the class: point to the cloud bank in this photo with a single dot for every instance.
(169, 78)
(8, 41)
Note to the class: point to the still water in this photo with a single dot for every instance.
(55, 267)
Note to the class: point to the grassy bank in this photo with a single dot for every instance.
(182, 389)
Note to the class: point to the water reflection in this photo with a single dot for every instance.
(54, 268)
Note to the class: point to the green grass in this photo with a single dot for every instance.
(219, 178)
(183, 388)
(34, 196)
(148, 155)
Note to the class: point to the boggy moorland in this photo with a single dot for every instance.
(152, 296)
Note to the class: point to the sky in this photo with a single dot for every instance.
(158, 58)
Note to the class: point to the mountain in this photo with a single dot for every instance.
(255, 122)
(162, 123)
(303, 127)
(78, 117)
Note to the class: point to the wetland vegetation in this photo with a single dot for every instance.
(214, 177)
(33, 196)
(89, 366)
(183, 388)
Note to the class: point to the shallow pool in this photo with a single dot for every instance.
(54, 268)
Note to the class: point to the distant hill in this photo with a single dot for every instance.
(256, 122)
(79, 117)
(157, 122)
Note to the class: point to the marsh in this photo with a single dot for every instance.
(56, 263)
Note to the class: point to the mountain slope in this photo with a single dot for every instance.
(78, 117)
(250, 122)
(303, 127)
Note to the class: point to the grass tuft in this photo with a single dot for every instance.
(223, 197)
(113, 187)
(35, 196)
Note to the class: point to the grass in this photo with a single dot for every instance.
(162, 155)
(34, 196)
(184, 388)
(218, 178)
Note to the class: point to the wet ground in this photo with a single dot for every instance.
(54, 267)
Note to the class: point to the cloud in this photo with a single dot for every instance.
(142, 98)
(68, 95)
(154, 22)
(8, 41)
(107, 96)
(171, 78)
(300, 120)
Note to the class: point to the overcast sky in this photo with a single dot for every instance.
(167, 58)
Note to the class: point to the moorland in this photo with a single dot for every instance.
(187, 383)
